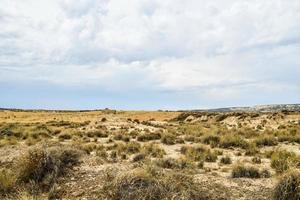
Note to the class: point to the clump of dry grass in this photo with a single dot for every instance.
(122, 136)
(153, 150)
(245, 171)
(37, 170)
(199, 153)
(211, 156)
(282, 160)
(195, 130)
(251, 149)
(191, 138)
(43, 165)
(64, 136)
(266, 141)
(289, 135)
(256, 160)
(172, 163)
(102, 154)
(97, 133)
(138, 157)
(149, 136)
(194, 153)
(142, 184)
(130, 147)
(288, 187)
(7, 182)
(168, 139)
(233, 140)
(8, 141)
(226, 160)
(88, 147)
(212, 140)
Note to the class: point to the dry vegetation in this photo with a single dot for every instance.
(114, 155)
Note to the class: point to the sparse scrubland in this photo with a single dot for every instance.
(115, 155)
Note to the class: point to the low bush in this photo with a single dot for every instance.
(266, 141)
(226, 160)
(118, 136)
(282, 160)
(199, 153)
(172, 163)
(211, 156)
(256, 160)
(138, 157)
(190, 138)
(229, 141)
(149, 136)
(122, 137)
(194, 153)
(43, 165)
(102, 154)
(288, 187)
(168, 139)
(7, 182)
(153, 150)
(240, 170)
(97, 133)
(212, 140)
(152, 184)
(251, 149)
(130, 147)
(89, 147)
(65, 136)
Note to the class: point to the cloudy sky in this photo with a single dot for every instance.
(148, 54)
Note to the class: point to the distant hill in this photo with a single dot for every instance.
(258, 108)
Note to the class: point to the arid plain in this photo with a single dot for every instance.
(110, 154)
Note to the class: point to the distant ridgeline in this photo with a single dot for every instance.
(260, 108)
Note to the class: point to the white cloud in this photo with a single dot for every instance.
(164, 45)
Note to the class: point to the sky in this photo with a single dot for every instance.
(148, 54)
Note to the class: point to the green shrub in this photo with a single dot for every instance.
(288, 187)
